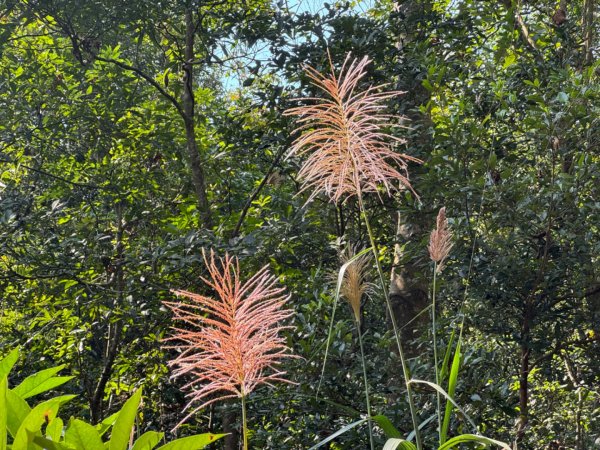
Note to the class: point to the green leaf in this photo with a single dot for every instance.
(451, 389)
(105, 425)
(509, 60)
(396, 443)
(40, 382)
(337, 433)
(192, 442)
(31, 425)
(54, 429)
(8, 362)
(18, 409)
(81, 435)
(386, 425)
(472, 438)
(121, 430)
(3, 412)
(448, 398)
(562, 97)
(147, 441)
(48, 444)
(422, 425)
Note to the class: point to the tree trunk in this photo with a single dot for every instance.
(588, 30)
(408, 290)
(408, 286)
(188, 103)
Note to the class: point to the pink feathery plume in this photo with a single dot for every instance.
(344, 135)
(229, 344)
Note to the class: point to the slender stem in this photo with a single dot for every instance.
(362, 356)
(244, 423)
(435, 355)
(406, 372)
(327, 345)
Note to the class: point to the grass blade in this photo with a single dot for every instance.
(398, 444)
(444, 370)
(451, 389)
(386, 425)
(449, 399)
(463, 438)
(338, 433)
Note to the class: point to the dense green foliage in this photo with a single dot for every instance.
(135, 134)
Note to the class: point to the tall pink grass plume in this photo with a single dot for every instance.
(440, 241)
(345, 136)
(230, 343)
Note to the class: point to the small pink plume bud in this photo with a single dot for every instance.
(440, 241)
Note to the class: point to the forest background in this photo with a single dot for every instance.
(135, 134)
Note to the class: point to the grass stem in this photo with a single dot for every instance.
(435, 355)
(364, 366)
(244, 423)
(405, 370)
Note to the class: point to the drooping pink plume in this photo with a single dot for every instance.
(345, 136)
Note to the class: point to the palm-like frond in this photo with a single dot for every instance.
(230, 343)
(344, 135)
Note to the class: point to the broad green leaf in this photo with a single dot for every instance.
(81, 435)
(105, 425)
(147, 441)
(8, 362)
(31, 425)
(196, 442)
(396, 443)
(54, 429)
(40, 382)
(463, 438)
(18, 409)
(3, 412)
(338, 433)
(386, 425)
(121, 431)
(48, 444)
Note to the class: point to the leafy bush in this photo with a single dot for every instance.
(39, 427)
